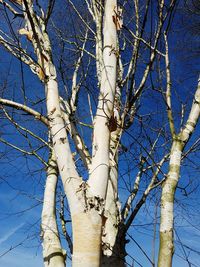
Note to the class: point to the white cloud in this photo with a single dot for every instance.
(10, 233)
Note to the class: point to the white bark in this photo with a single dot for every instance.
(112, 206)
(52, 251)
(70, 178)
(99, 45)
(193, 117)
(101, 136)
(111, 214)
(87, 226)
(42, 47)
(87, 230)
(166, 249)
(86, 219)
(113, 247)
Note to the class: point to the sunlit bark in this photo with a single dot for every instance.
(166, 249)
(99, 172)
(53, 253)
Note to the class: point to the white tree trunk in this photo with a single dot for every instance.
(166, 248)
(111, 213)
(70, 178)
(87, 231)
(52, 251)
(113, 250)
(99, 172)
(87, 226)
(86, 222)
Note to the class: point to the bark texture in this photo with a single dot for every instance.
(87, 230)
(53, 253)
(99, 172)
(166, 248)
(118, 252)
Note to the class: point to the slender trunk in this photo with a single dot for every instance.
(113, 247)
(111, 217)
(166, 249)
(87, 226)
(52, 251)
(99, 173)
(113, 238)
(70, 178)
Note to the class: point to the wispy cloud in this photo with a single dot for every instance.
(10, 233)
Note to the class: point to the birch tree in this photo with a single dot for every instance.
(123, 42)
(180, 138)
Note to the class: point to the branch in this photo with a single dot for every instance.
(49, 10)
(71, 128)
(34, 113)
(29, 153)
(75, 87)
(20, 54)
(153, 54)
(127, 206)
(133, 63)
(71, 42)
(11, 9)
(192, 148)
(99, 39)
(150, 187)
(17, 126)
(63, 222)
(168, 90)
(191, 123)
(81, 18)
(132, 98)
(135, 36)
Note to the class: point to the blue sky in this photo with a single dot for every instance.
(17, 231)
(19, 256)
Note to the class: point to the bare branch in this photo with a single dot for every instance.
(75, 87)
(25, 108)
(153, 183)
(168, 90)
(191, 123)
(27, 131)
(98, 16)
(20, 54)
(25, 152)
(11, 9)
(79, 15)
(71, 128)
